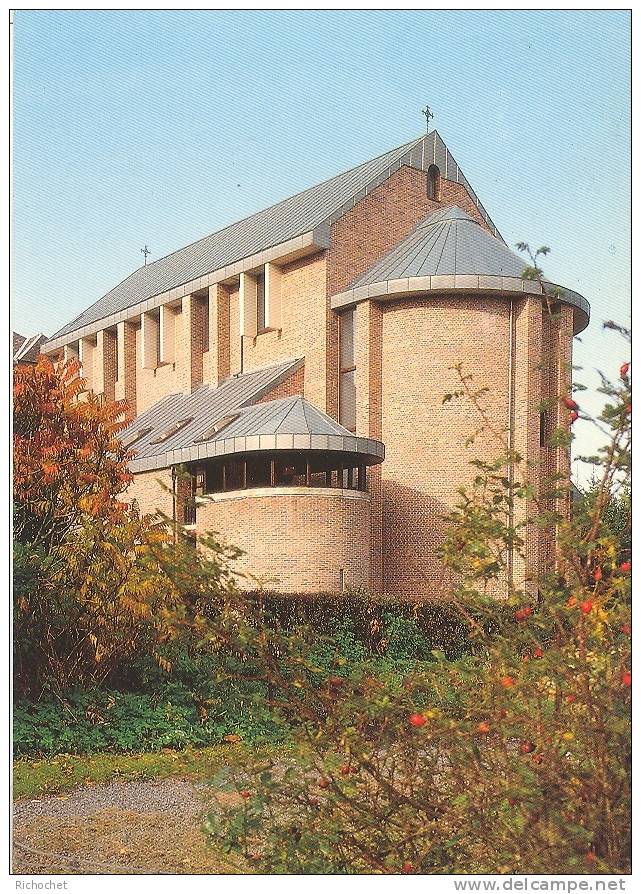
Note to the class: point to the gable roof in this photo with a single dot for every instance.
(28, 350)
(304, 212)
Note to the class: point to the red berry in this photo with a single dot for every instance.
(537, 758)
(346, 770)
(626, 678)
(507, 682)
(483, 727)
(245, 793)
(538, 652)
(586, 607)
(418, 720)
(570, 404)
(628, 409)
(571, 699)
(625, 628)
(590, 856)
(323, 782)
(523, 613)
(407, 868)
(597, 574)
(625, 567)
(527, 747)
(572, 601)
(573, 416)
(624, 370)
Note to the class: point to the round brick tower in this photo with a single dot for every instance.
(451, 293)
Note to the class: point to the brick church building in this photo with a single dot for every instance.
(294, 364)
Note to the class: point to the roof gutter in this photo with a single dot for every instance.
(307, 243)
(393, 289)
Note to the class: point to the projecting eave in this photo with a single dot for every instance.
(448, 251)
(284, 424)
(464, 285)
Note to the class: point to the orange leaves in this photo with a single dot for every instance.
(68, 460)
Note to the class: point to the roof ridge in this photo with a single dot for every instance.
(294, 195)
(234, 223)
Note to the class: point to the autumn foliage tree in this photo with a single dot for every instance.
(94, 583)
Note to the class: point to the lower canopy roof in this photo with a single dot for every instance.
(285, 424)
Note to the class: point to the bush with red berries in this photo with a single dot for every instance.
(514, 758)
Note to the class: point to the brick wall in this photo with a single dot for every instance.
(426, 458)
(304, 309)
(368, 376)
(298, 537)
(152, 492)
(372, 228)
(379, 221)
(294, 384)
(556, 381)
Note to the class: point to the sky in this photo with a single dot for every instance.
(156, 128)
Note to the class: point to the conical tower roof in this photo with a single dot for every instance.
(450, 251)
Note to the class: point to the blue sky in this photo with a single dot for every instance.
(134, 128)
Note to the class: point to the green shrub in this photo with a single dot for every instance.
(87, 722)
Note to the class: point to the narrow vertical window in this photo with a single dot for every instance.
(205, 324)
(260, 302)
(157, 337)
(543, 428)
(434, 183)
(347, 370)
(114, 334)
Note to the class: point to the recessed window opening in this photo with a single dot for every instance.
(543, 428)
(115, 353)
(136, 436)
(434, 183)
(157, 334)
(261, 310)
(347, 370)
(173, 430)
(217, 427)
(205, 323)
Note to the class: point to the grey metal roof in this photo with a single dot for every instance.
(448, 249)
(289, 423)
(448, 241)
(301, 213)
(204, 407)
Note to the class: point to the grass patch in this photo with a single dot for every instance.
(64, 772)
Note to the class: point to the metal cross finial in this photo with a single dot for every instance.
(428, 114)
(145, 251)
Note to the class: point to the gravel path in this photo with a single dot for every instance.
(117, 827)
